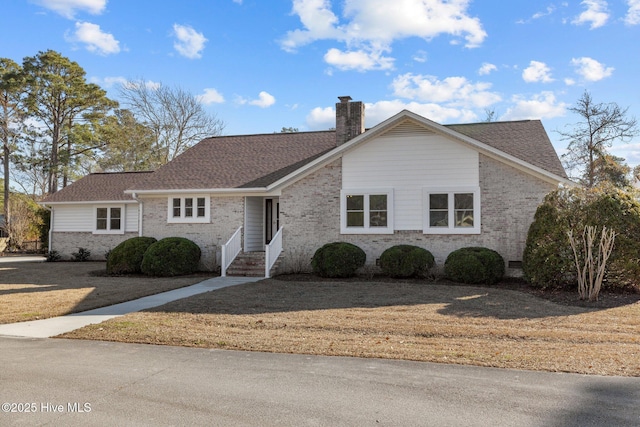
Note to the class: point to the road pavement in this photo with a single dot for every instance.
(92, 383)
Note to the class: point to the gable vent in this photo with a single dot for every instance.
(407, 128)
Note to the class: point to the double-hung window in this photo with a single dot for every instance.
(188, 209)
(452, 211)
(366, 211)
(109, 220)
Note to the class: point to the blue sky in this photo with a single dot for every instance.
(261, 65)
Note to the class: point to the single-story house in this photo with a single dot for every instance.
(408, 180)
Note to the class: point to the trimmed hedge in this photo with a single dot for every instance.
(474, 265)
(338, 259)
(171, 256)
(126, 258)
(406, 261)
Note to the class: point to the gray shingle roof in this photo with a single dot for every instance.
(239, 161)
(256, 161)
(99, 187)
(526, 139)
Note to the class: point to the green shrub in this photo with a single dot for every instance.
(171, 256)
(81, 256)
(126, 258)
(548, 258)
(338, 259)
(474, 265)
(53, 256)
(406, 261)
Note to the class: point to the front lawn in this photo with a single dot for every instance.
(435, 322)
(30, 291)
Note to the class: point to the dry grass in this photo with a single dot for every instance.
(30, 291)
(399, 320)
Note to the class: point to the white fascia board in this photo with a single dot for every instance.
(90, 202)
(256, 191)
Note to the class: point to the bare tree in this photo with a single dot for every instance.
(176, 117)
(600, 126)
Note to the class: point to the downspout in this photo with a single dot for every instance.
(140, 213)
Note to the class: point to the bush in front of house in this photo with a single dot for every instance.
(474, 265)
(82, 255)
(548, 260)
(171, 256)
(338, 259)
(126, 258)
(406, 261)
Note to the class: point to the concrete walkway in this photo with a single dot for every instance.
(51, 327)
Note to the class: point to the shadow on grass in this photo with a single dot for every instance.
(40, 290)
(275, 296)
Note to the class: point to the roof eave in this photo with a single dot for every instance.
(239, 190)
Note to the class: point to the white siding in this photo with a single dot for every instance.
(407, 159)
(79, 218)
(131, 218)
(254, 221)
(73, 218)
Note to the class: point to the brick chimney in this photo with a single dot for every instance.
(349, 119)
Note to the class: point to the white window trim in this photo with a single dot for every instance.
(189, 220)
(451, 229)
(123, 216)
(366, 229)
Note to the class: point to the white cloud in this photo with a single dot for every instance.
(549, 11)
(325, 117)
(210, 96)
(537, 72)
(237, 1)
(371, 27)
(189, 43)
(108, 82)
(94, 38)
(596, 14)
(633, 14)
(321, 118)
(68, 8)
(541, 106)
(452, 91)
(358, 60)
(264, 100)
(590, 69)
(486, 69)
(569, 81)
(420, 56)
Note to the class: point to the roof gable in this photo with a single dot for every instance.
(524, 144)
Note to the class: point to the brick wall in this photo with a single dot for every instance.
(66, 243)
(310, 213)
(227, 214)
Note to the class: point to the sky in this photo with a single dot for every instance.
(263, 65)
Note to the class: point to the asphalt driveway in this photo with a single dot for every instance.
(71, 382)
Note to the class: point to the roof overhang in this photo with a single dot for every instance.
(89, 202)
